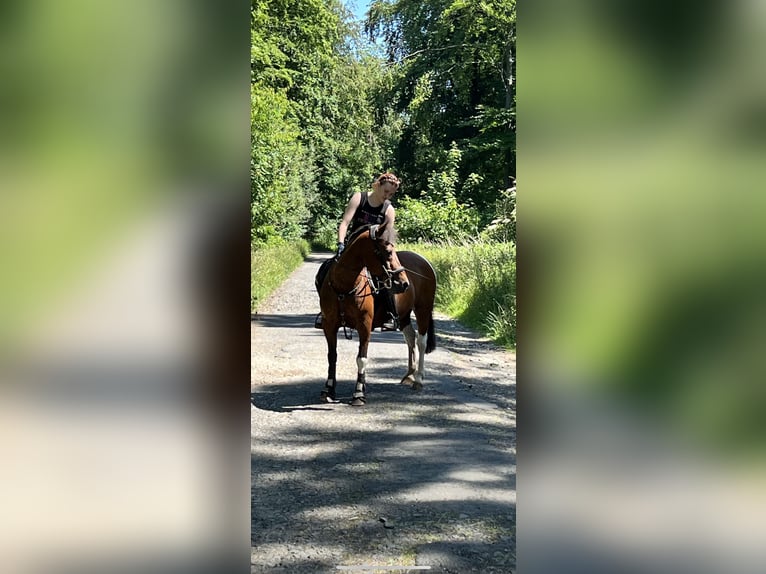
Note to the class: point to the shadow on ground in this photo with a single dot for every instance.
(413, 478)
(451, 337)
(284, 321)
(442, 483)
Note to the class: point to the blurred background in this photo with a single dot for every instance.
(642, 139)
(124, 296)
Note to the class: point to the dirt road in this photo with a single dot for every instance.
(422, 478)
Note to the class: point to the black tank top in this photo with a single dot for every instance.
(365, 214)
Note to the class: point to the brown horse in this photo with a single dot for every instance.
(347, 300)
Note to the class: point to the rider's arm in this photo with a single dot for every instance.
(353, 203)
(390, 216)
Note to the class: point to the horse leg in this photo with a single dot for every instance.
(421, 337)
(328, 393)
(359, 399)
(409, 337)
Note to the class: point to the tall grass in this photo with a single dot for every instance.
(270, 265)
(477, 285)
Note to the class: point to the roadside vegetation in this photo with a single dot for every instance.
(477, 285)
(271, 265)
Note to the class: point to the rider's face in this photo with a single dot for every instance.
(388, 190)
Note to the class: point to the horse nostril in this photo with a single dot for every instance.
(405, 285)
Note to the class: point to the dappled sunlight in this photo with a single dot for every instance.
(479, 475)
(298, 554)
(482, 417)
(299, 453)
(346, 512)
(431, 478)
(416, 430)
(450, 491)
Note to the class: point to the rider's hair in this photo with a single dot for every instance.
(386, 178)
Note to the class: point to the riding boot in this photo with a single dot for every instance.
(392, 321)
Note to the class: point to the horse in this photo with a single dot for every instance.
(347, 300)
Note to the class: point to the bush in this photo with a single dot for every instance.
(503, 226)
(438, 216)
(325, 234)
(425, 220)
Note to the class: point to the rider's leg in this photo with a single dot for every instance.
(391, 321)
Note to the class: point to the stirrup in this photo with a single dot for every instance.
(390, 324)
(318, 321)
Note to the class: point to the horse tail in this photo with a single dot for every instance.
(431, 337)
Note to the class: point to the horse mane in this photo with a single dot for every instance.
(389, 234)
(357, 232)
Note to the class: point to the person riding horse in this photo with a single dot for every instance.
(366, 209)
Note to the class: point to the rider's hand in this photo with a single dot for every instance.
(341, 247)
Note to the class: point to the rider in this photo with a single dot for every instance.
(365, 209)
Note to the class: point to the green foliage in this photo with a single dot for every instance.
(315, 95)
(271, 265)
(503, 226)
(477, 285)
(428, 220)
(341, 134)
(325, 234)
(454, 63)
(328, 114)
(438, 216)
(280, 180)
(442, 185)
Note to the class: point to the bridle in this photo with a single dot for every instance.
(391, 276)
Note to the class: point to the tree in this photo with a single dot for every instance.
(306, 59)
(456, 65)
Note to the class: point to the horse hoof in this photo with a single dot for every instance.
(416, 386)
(358, 402)
(407, 381)
(326, 397)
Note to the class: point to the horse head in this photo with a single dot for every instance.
(393, 271)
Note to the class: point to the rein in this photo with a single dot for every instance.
(414, 273)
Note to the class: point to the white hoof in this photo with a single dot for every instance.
(408, 380)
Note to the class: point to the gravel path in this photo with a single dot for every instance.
(412, 479)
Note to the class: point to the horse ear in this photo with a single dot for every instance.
(374, 231)
(381, 228)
